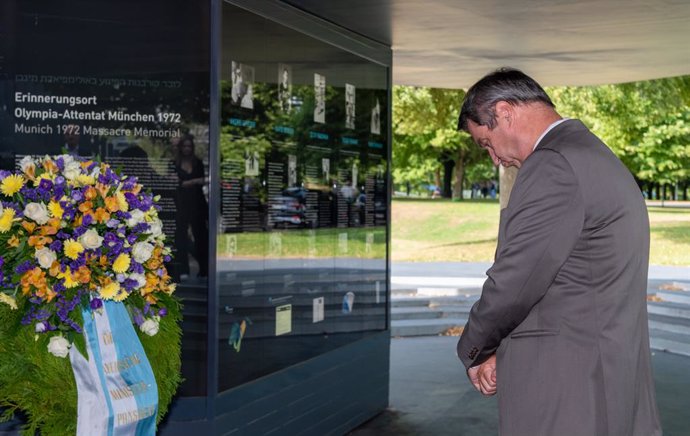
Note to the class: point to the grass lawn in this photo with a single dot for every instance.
(442, 230)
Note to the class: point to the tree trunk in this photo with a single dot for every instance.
(459, 175)
(650, 190)
(658, 191)
(448, 165)
(437, 178)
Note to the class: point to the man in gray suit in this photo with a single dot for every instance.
(560, 330)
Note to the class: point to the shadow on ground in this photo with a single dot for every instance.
(430, 394)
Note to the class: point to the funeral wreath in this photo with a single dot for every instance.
(75, 233)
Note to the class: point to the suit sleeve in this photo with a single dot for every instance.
(544, 220)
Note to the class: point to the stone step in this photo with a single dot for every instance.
(432, 312)
(433, 301)
(682, 297)
(410, 302)
(408, 313)
(424, 327)
(669, 324)
(462, 300)
(678, 310)
(670, 342)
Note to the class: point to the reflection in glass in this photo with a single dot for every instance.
(192, 209)
(302, 241)
(141, 102)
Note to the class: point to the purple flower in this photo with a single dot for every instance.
(129, 183)
(24, 267)
(167, 258)
(59, 287)
(129, 284)
(62, 235)
(163, 311)
(138, 316)
(45, 185)
(77, 195)
(4, 173)
(59, 181)
(141, 228)
(56, 246)
(109, 237)
(80, 230)
(87, 220)
(69, 213)
(96, 304)
(112, 223)
(29, 193)
(136, 267)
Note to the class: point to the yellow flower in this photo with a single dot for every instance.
(10, 185)
(46, 176)
(70, 282)
(110, 290)
(6, 219)
(73, 248)
(55, 209)
(121, 264)
(9, 300)
(13, 241)
(122, 201)
(121, 295)
(84, 180)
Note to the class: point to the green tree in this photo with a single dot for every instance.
(424, 122)
(645, 123)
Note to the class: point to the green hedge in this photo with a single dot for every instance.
(42, 386)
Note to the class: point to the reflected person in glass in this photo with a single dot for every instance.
(192, 209)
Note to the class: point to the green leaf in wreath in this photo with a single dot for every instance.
(79, 342)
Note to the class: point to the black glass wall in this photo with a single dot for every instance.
(128, 82)
(272, 182)
(301, 252)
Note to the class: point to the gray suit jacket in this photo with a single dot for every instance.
(564, 305)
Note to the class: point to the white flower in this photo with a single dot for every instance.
(40, 327)
(95, 172)
(137, 217)
(45, 257)
(26, 163)
(58, 346)
(141, 252)
(91, 239)
(37, 212)
(72, 169)
(140, 278)
(156, 228)
(150, 326)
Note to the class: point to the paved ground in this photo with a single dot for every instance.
(430, 394)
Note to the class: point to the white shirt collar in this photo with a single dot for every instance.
(548, 129)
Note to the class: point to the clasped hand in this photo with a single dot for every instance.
(483, 377)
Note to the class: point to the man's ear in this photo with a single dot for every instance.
(505, 112)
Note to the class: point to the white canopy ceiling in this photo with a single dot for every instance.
(452, 43)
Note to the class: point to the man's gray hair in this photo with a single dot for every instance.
(505, 84)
